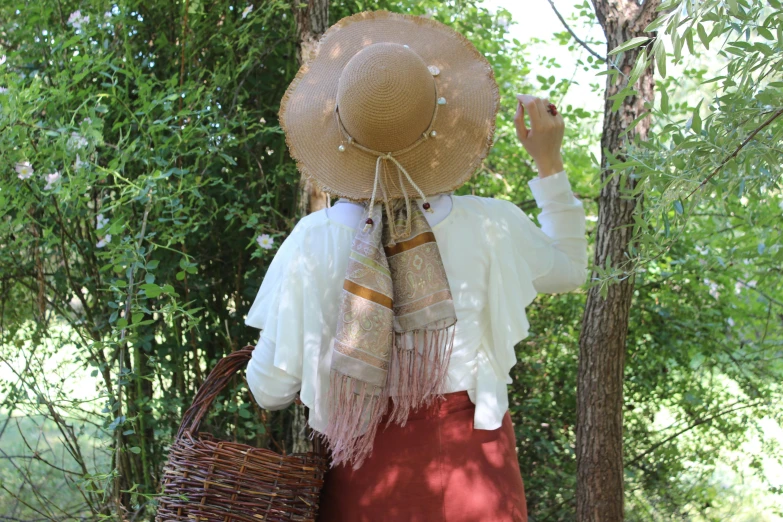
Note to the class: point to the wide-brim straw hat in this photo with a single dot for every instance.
(406, 88)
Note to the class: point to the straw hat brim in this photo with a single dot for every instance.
(465, 125)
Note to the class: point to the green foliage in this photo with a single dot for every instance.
(704, 361)
(157, 160)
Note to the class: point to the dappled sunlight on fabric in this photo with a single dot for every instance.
(442, 468)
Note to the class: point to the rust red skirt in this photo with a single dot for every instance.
(435, 468)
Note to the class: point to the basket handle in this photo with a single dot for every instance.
(217, 379)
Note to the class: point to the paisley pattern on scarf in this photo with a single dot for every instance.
(394, 333)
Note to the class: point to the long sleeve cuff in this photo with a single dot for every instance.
(554, 188)
(272, 387)
(562, 219)
(562, 214)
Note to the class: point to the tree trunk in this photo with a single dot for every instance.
(599, 433)
(312, 19)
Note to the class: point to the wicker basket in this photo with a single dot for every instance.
(212, 480)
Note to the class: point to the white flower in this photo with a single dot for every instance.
(247, 11)
(52, 178)
(713, 287)
(77, 141)
(263, 121)
(3, 90)
(76, 20)
(24, 170)
(269, 151)
(107, 15)
(105, 240)
(730, 321)
(78, 164)
(265, 241)
(744, 201)
(2, 59)
(100, 221)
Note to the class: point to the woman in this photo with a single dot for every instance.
(395, 319)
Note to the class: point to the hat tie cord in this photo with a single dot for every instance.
(378, 182)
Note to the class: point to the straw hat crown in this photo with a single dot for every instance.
(386, 97)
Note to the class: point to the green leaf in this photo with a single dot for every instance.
(660, 59)
(180, 275)
(688, 35)
(122, 322)
(630, 44)
(677, 47)
(152, 290)
(638, 68)
(678, 206)
(696, 119)
(703, 36)
(733, 8)
(135, 449)
(136, 318)
(655, 24)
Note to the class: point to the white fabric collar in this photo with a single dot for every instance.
(349, 213)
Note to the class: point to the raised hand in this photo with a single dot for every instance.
(544, 137)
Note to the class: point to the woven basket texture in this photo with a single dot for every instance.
(206, 479)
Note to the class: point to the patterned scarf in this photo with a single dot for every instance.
(395, 330)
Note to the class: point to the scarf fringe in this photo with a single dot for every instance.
(417, 376)
(351, 411)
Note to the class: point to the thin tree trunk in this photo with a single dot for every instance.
(599, 442)
(312, 19)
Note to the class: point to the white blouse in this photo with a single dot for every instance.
(496, 260)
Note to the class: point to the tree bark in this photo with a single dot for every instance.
(312, 20)
(599, 443)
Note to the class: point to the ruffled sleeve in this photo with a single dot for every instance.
(525, 260)
(274, 373)
(510, 290)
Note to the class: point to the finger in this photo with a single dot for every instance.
(526, 99)
(543, 105)
(533, 109)
(519, 122)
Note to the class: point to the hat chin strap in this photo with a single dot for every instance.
(379, 164)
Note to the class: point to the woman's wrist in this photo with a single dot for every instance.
(547, 167)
